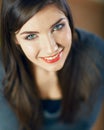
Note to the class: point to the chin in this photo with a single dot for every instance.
(55, 68)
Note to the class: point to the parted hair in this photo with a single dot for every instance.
(77, 78)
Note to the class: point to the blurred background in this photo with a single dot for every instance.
(89, 14)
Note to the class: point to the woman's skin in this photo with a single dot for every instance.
(46, 41)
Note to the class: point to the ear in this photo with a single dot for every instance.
(15, 40)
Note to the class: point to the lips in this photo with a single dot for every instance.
(52, 59)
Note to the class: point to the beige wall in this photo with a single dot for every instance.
(88, 14)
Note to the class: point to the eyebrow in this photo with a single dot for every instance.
(30, 32)
(57, 22)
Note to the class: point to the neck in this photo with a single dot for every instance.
(47, 83)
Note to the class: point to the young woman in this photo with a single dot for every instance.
(53, 76)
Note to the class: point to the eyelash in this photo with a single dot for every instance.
(30, 37)
(56, 28)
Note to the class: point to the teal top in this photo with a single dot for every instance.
(52, 112)
(52, 108)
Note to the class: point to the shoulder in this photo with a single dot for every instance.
(88, 36)
(8, 120)
(91, 53)
(90, 39)
(91, 47)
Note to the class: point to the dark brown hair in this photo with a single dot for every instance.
(20, 89)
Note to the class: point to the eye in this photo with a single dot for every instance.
(58, 27)
(31, 37)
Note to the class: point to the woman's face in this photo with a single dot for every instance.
(46, 38)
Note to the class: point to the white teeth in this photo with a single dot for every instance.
(51, 58)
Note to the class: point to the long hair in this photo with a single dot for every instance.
(20, 89)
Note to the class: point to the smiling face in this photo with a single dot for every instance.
(46, 38)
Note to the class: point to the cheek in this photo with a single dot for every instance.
(66, 38)
(29, 51)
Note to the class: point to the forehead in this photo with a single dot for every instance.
(48, 15)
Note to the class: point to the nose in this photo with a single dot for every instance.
(49, 44)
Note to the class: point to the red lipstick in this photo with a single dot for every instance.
(52, 59)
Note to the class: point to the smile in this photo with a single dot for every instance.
(53, 59)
